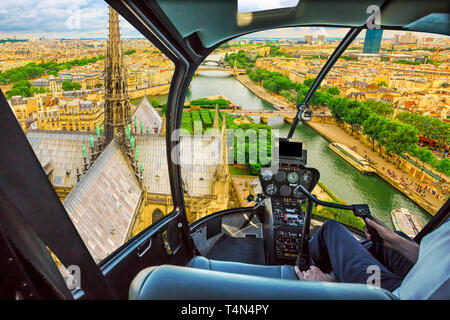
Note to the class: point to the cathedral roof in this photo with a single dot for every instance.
(103, 203)
(199, 159)
(62, 149)
(149, 117)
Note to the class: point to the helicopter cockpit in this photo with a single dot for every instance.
(266, 241)
(170, 212)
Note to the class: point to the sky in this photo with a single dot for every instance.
(89, 19)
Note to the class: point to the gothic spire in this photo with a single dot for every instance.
(117, 104)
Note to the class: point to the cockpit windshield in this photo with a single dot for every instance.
(360, 134)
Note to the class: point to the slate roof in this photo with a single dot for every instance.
(149, 116)
(103, 203)
(199, 159)
(63, 150)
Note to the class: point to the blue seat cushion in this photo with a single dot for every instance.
(277, 272)
(182, 283)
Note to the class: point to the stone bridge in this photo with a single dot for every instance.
(265, 115)
(210, 62)
(231, 71)
(287, 115)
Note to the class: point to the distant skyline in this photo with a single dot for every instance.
(77, 19)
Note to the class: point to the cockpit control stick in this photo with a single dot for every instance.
(359, 210)
(303, 255)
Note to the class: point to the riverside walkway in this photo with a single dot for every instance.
(385, 169)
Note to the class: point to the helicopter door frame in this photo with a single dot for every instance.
(24, 182)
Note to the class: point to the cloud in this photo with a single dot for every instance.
(258, 5)
(58, 18)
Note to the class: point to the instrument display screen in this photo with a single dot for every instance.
(290, 149)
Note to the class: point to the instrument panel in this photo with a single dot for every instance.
(282, 183)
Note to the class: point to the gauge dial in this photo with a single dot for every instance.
(271, 189)
(266, 175)
(280, 176)
(306, 177)
(292, 177)
(297, 193)
(285, 190)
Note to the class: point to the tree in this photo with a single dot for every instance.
(309, 82)
(155, 103)
(356, 114)
(401, 138)
(334, 91)
(372, 127)
(444, 166)
(425, 156)
(431, 128)
(380, 108)
(163, 109)
(20, 88)
(320, 98)
(69, 85)
(338, 107)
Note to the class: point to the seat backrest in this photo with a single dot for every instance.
(176, 283)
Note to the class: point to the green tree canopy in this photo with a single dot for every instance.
(155, 103)
(380, 108)
(444, 166)
(68, 85)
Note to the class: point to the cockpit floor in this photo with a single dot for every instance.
(246, 250)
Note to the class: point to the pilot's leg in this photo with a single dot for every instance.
(335, 248)
(392, 259)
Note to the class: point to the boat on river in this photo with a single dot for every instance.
(352, 157)
(406, 222)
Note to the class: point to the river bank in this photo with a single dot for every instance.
(262, 93)
(333, 133)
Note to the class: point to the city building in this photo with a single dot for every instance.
(321, 39)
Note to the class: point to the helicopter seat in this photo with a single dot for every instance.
(168, 282)
(277, 272)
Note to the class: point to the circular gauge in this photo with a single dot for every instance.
(292, 177)
(285, 190)
(297, 193)
(271, 189)
(306, 177)
(266, 175)
(280, 176)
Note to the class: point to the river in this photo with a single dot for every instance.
(343, 179)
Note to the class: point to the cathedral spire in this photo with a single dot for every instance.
(117, 103)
